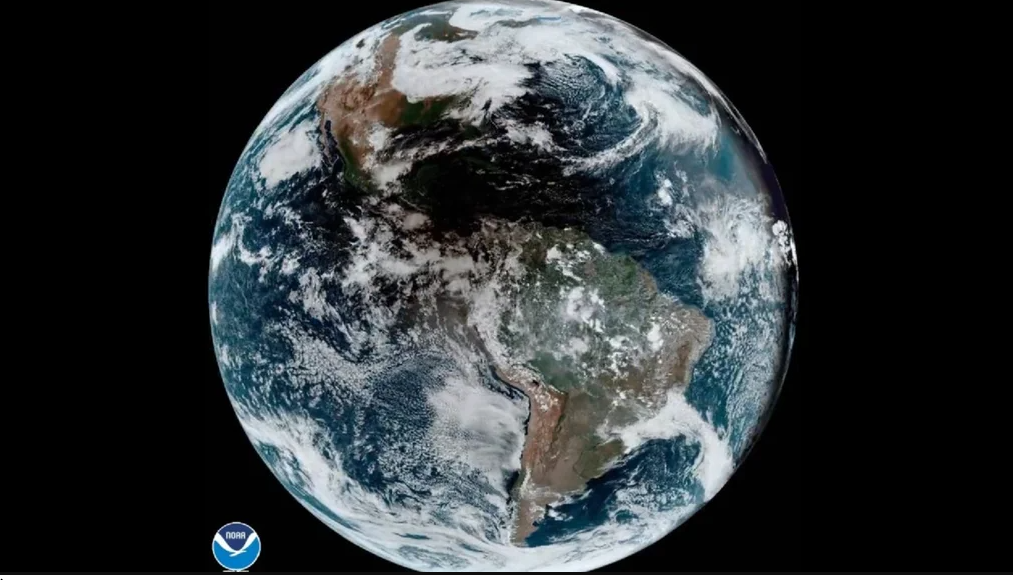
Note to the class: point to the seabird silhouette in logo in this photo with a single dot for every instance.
(236, 546)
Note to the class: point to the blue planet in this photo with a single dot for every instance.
(503, 286)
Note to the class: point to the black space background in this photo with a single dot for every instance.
(759, 75)
(121, 453)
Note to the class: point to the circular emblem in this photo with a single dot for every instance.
(236, 546)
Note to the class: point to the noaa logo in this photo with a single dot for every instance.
(236, 546)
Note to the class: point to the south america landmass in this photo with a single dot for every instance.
(626, 348)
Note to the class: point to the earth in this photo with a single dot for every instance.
(503, 286)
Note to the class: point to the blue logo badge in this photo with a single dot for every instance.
(236, 546)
